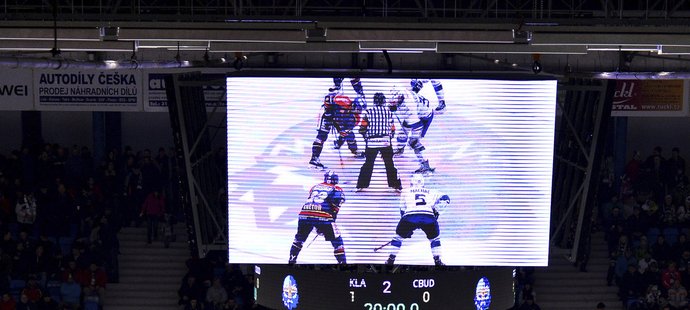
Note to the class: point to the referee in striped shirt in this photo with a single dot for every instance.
(378, 128)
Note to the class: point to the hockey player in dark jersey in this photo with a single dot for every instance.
(341, 113)
(320, 212)
(419, 208)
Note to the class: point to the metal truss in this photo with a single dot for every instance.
(583, 111)
(639, 11)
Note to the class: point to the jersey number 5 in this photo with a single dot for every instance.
(420, 199)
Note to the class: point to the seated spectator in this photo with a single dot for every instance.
(643, 263)
(683, 211)
(642, 250)
(636, 224)
(529, 304)
(653, 299)
(189, 290)
(630, 285)
(677, 296)
(25, 304)
(661, 251)
(682, 245)
(622, 264)
(194, 304)
(32, 290)
(684, 261)
(70, 293)
(216, 295)
(70, 270)
(93, 281)
(528, 291)
(47, 303)
(7, 302)
(652, 275)
(668, 214)
(670, 275)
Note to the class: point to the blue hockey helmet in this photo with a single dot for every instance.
(416, 85)
(330, 177)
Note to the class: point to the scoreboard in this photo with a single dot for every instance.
(286, 287)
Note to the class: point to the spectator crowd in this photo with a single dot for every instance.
(645, 216)
(60, 212)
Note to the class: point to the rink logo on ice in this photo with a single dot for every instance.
(482, 296)
(290, 293)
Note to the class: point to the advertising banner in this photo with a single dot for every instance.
(16, 90)
(88, 90)
(650, 98)
(156, 100)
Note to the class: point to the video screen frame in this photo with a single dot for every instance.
(371, 245)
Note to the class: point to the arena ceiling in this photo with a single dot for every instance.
(564, 36)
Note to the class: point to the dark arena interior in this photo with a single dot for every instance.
(322, 154)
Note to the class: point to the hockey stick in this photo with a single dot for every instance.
(340, 156)
(312, 240)
(382, 246)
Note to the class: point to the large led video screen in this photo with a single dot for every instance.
(381, 170)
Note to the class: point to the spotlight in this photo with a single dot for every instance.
(239, 61)
(536, 67)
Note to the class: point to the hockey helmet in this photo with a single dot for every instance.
(379, 99)
(330, 177)
(416, 85)
(417, 180)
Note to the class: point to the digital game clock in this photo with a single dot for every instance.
(284, 287)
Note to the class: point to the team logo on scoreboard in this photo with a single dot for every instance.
(482, 296)
(290, 293)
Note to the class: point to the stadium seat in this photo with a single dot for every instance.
(671, 235)
(652, 234)
(16, 286)
(66, 246)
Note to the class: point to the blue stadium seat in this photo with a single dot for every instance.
(16, 287)
(652, 234)
(66, 246)
(13, 228)
(54, 290)
(671, 235)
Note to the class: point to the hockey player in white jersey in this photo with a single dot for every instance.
(419, 208)
(418, 84)
(415, 115)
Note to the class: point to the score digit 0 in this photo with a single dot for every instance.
(426, 296)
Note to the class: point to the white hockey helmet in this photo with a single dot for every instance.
(417, 180)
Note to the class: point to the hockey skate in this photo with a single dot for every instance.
(425, 168)
(441, 106)
(292, 260)
(358, 154)
(391, 260)
(337, 144)
(438, 262)
(316, 164)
